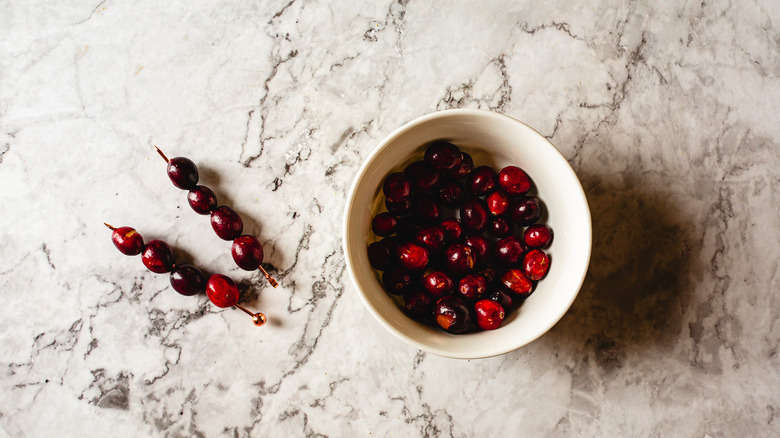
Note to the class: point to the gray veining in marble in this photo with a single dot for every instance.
(668, 112)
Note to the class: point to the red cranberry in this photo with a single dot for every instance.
(422, 176)
(472, 287)
(489, 313)
(443, 155)
(412, 256)
(426, 208)
(247, 252)
(222, 291)
(450, 193)
(437, 283)
(127, 241)
(500, 227)
(187, 280)
(391, 242)
(473, 215)
(508, 251)
(482, 180)
(384, 224)
(226, 223)
(514, 180)
(418, 304)
(157, 257)
(517, 283)
(489, 273)
(538, 236)
(183, 173)
(535, 264)
(452, 314)
(502, 298)
(498, 203)
(452, 230)
(480, 245)
(459, 259)
(431, 237)
(399, 208)
(379, 256)
(465, 168)
(202, 200)
(397, 280)
(396, 187)
(526, 211)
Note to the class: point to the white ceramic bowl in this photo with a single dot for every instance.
(495, 140)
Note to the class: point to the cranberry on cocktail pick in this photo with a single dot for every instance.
(182, 171)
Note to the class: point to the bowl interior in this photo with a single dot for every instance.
(497, 141)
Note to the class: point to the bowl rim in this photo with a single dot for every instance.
(348, 254)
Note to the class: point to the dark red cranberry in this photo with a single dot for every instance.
(452, 314)
(431, 237)
(535, 264)
(498, 203)
(465, 168)
(450, 193)
(407, 227)
(526, 211)
(482, 180)
(418, 304)
(489, 314)
(397, 280)
(391, 242)
(514, 180)
(412, 256)
(443, 156)
(452, 230)
(222, 291)
(538, 236)
(517, 283)
(437, 283)
(379, 256)
(399, 208)
(202, 200)
(480, 245)
(459, 259)
(489, 273)
(188, 280)
(474, 215)
(427, 208)
(183, 173)
(397, 187)
(384, 224)
(158, 257)
(500, 227)
(501, 297)
(472, 287)
(422, 176)
(226, 223)
(508, 251)
(247, 252)
(127, 240)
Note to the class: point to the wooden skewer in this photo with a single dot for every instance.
(161, 153)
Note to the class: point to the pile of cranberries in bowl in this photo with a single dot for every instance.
(459, 246)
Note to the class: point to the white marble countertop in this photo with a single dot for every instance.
(668, 112)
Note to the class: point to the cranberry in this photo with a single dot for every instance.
(202, 200)
(247, 252)
(431, 237)
(502, 298)
(535, 264)
(183, 173)
(187, 280)
(452, 314)
(422, 176)
(537, 236)
(472, 287)
(437, 283)
(222, 291)
(489, 313)
(396, 187)
(384, 224)
(444, 156)
(465, 168)
(517, 283)
(450, 193)
(459, 259)
(397, 280)
(157, 257)
(391, 242)
(526, 211)
(452, 230)
(489, 273)
(514, 180)
(480, 245)
(426, 208)
(379, 256)
(226, 223)
(482, 180)
(498, 203)
(500, 227)
(508, 251)
(412, 256)
(127, 240)
(473, 215)
(418, 304)
(399, 208)
(407, 227)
